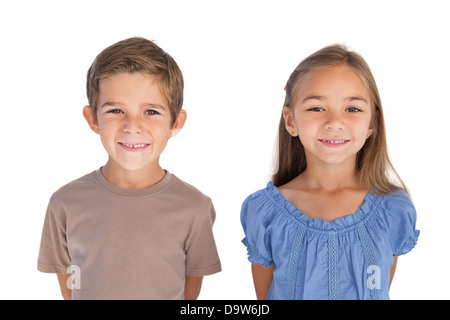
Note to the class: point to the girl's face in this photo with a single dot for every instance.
(331, 114)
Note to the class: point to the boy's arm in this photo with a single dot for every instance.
(192, 287)
(262, 279)
(65, 291)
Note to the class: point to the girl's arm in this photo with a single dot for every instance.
(192, 287)
(262, 278)
(394, 265)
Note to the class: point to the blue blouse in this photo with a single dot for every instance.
(349, 258)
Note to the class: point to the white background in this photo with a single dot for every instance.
(236, 57)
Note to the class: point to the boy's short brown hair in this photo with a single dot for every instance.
(137, 55)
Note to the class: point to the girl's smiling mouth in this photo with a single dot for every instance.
(334, 142)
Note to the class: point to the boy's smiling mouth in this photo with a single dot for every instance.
(133, 147)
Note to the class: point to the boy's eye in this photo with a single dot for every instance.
(151, 112)
(115, 111)
(353, 109)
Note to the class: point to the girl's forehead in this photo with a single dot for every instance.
(334, 80)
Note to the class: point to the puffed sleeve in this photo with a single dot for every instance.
(400, 218)
(257, 231)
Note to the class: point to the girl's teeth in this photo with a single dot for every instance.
(334, 141)
(134, 145)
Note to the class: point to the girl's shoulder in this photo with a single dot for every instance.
(261, 203)
(396, 199)
(395, 208)
(264, 201)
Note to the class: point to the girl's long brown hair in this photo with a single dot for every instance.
(373, 166)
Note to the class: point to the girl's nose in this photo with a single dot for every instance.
(334, 122)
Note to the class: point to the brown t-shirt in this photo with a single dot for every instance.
(128, 243)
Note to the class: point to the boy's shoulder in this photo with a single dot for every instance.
(187, 191)
(78, 187)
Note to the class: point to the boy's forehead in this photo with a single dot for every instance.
(135, 85)
(124, 76)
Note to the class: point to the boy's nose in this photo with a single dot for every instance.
(132, 125)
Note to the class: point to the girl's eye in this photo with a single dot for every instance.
(353, 109)
(316, 109)
(151, 112)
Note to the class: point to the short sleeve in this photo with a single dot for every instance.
(202, 257)
(257, 233)
(54, 255)
(400, 219)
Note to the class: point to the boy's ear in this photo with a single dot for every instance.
(289, 122)
(90, 119)
(179, 123)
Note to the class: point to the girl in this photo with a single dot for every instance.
(336, 215)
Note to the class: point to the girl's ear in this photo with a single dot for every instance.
(179, 123)
(90, 119)
(289, 122)
(371, 130)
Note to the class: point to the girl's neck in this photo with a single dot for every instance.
(330, 177)
(325, 191)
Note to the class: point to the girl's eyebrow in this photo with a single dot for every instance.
(313, 98)
(356, 98)
(352, 98)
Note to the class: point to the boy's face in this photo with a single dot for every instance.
(133, 121)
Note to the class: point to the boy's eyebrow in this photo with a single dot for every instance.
(154, 105)
(117, 104)
(111, 104)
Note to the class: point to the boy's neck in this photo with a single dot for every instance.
(126, 179)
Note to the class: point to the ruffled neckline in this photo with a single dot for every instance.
(341, 224)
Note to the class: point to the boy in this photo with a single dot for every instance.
(131, 230)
